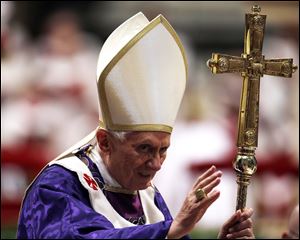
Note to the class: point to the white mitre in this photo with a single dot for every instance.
(141, 76)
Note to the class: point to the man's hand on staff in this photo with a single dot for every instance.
(239, 225)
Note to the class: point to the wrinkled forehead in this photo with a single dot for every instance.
(151, 136)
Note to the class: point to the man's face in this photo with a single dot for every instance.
(135, 161)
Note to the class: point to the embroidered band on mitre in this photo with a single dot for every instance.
(141, 76)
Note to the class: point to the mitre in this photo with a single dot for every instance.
(141, 76)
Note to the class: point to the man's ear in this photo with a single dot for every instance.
(103, 140)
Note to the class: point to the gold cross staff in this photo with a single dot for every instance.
(252, 65)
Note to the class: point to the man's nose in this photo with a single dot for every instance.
(155, 162)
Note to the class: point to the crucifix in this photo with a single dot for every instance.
(252, 65)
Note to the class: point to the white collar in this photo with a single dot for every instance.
(110, 184)
(96, 158)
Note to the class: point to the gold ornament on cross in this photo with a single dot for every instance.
(252, 65)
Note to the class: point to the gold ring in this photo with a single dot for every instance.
(200, 194)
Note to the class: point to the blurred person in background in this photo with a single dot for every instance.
(42, 84)
(293, 225)
(65, 62)
(16, 112)
(51, 84)
(102, 186)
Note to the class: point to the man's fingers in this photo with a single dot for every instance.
(210, 179)
(232, 220)
(213, 184)
(240, 226)
(208, 172)
(241, 234)
(247, 213)
(211, 197)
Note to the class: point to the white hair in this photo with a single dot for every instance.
(120, 135)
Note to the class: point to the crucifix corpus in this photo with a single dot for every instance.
(252, 65)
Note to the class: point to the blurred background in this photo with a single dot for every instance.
(49, 101)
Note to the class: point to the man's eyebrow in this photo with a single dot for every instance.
(143, 141)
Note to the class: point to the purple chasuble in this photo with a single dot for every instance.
(127, 205)
(57, 206)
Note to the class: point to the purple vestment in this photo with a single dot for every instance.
(58, 206)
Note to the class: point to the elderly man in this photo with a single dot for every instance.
(102, 187)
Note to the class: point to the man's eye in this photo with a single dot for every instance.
(144, 148)
(163, 150)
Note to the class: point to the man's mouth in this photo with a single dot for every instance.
(145, 175)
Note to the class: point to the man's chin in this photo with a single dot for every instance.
(144, 186)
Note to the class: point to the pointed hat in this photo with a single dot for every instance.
(141, 76)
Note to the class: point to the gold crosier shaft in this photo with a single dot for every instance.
(252, 66)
